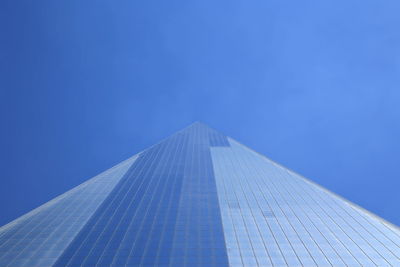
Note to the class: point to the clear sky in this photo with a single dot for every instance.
(313, 85)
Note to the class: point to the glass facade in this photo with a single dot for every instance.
(274, 217)
(199, 198)
(41, 236)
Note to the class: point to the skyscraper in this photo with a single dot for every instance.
(199, 198)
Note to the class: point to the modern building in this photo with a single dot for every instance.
(199, 198)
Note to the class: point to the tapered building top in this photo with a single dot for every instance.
(199, 198)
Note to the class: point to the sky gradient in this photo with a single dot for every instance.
(313, 85)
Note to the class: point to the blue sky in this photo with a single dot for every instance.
(313, 85)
